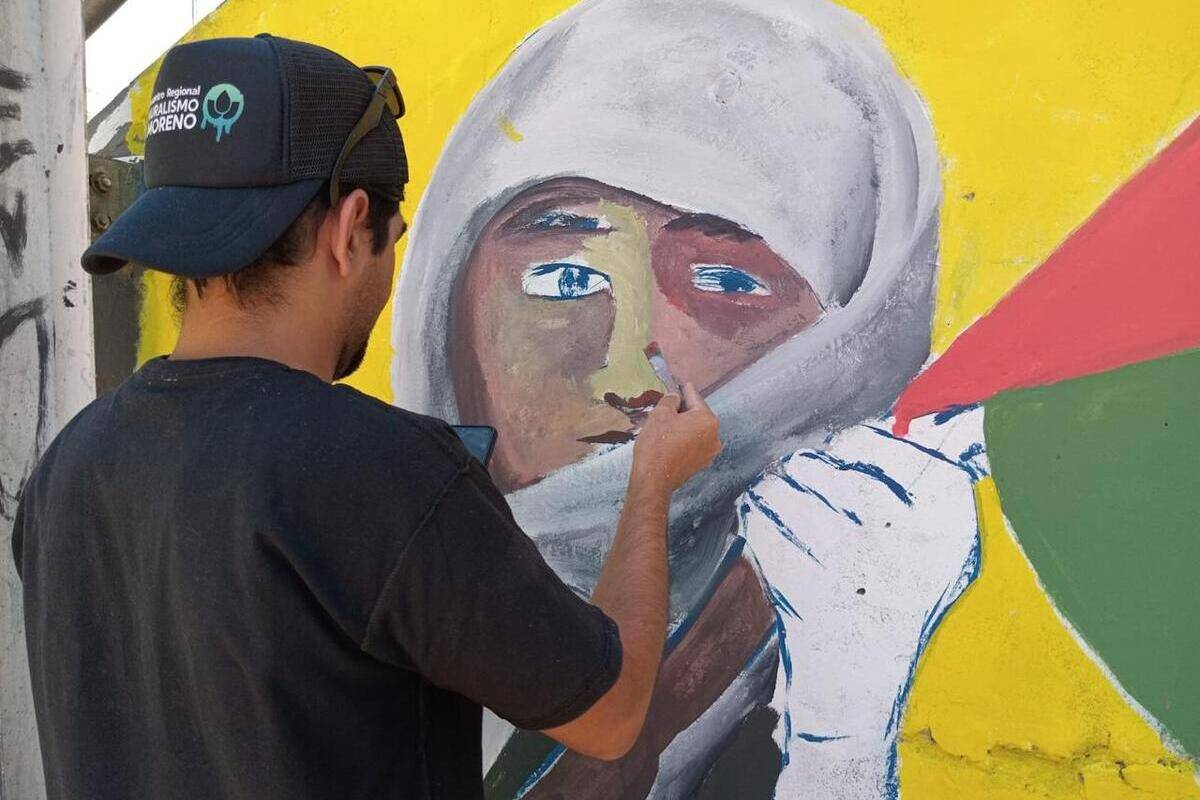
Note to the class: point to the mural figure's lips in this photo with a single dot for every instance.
(611, 437)
(636, 405)
(636, 409)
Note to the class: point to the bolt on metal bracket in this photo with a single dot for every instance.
(113, 185)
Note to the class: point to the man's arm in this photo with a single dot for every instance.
(471, 605)
(632, 589)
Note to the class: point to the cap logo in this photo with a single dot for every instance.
(223, 106)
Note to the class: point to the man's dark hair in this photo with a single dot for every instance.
(257, 283)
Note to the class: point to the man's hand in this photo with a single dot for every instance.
(674, 445)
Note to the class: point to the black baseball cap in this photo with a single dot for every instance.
(241, 135)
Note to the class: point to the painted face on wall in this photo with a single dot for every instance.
(566, 287)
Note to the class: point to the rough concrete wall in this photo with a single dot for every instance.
(45, 318)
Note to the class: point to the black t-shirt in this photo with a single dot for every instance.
(242, 582)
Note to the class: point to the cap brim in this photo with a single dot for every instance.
(199, 232)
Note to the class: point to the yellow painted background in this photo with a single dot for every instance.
(1041, 109)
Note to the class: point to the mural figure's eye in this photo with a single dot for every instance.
(726, 279)
(560, 281)
(566, 221)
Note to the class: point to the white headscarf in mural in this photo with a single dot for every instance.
(752, 110)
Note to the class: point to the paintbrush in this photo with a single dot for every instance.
(658, 362)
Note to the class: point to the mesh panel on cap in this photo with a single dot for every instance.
(326, 96)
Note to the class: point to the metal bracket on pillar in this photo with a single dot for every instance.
(113, 185)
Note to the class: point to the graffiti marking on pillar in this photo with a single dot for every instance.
(11, 153)
(14, 220)
(11, 79)
(14, 235)
(32, 311)
(14, 231)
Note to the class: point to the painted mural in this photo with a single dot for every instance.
(756, 189)
(948, 549)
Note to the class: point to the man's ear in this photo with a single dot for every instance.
(348, 220)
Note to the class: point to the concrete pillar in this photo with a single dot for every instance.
(46, 372)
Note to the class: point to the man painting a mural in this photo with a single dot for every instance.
(202, 619)
(910, 254)
(753, 187)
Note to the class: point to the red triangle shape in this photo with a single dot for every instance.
(1124, 287)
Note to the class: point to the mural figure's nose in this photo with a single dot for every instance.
(627, 375)
(625, 254)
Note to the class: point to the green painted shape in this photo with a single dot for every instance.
(1099, 479)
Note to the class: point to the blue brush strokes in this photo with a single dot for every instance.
(780, 634)
(560, 220)
(725, 279)
(944, 416)
(812, 737)
(786, 660)
(870, 470)
(972, 451)
(968, 456)
(891, 785)
(542, 769)
(782, 526)
(952, 592)
(929, 451)
(800, 487)
(931, 620)
(767, 643)
(806, 489)
(574, 280)
(780, 600)
(731, 557)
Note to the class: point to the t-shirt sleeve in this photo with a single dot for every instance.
(472, 606)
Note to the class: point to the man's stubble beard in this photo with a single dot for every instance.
(364, 314)
(350, 360)
(354, 342)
